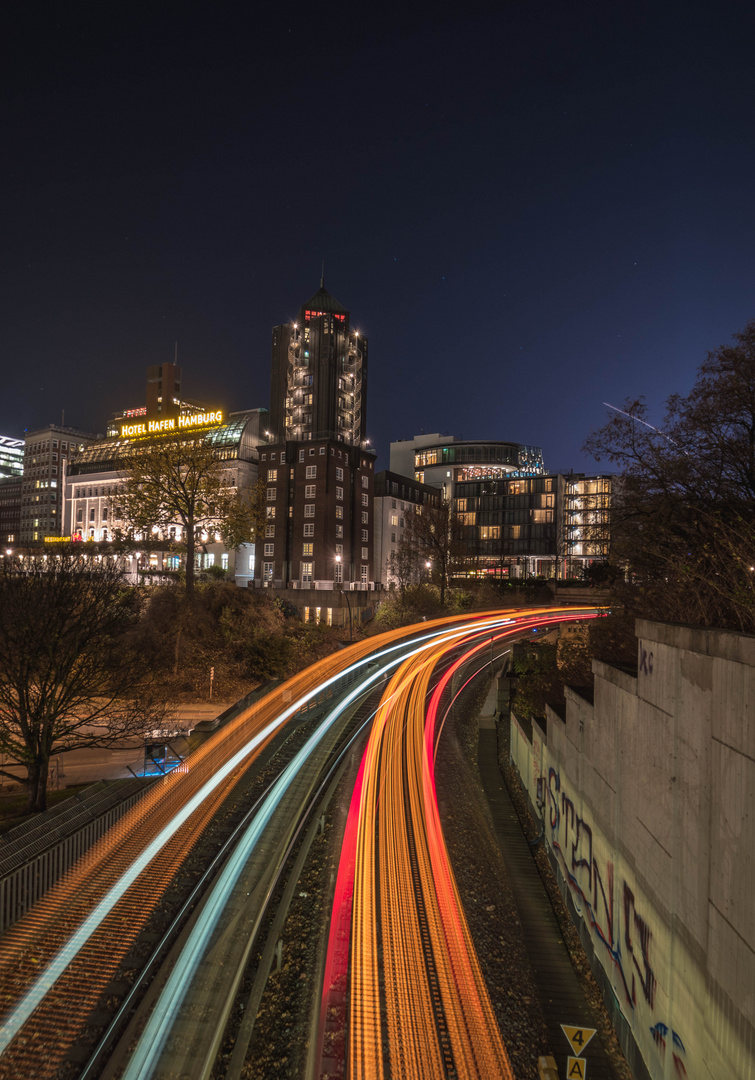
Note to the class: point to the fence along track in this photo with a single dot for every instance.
(33, 859)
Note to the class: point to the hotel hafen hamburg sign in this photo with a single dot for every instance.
(175, 423)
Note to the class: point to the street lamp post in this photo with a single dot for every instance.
(348, 602)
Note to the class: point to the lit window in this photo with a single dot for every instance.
(339, 511)
(272, 475)
(270, 510)
(306, 572)
(309, 509)
(224, 560)
(307, 550)
(394, 519)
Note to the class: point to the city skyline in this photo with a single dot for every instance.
(528, 212)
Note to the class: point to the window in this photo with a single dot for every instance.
(339, 473)
(307, 550)
(272, 476)
(269, 550)
(271, 494)
(365, 553)
(365, 481)
(80, 514)
(306, 573)
(301, 455)
(339, 549)
(394, 519)
(309, 528)
(267, 571)
(270, 510)
(365, 536)
(283, 459)
(272, 457)
(269, 530)
(104, 513)
(339, 531)
(365, 518)
(263, 457)
(311, 451)
(224, 560)
(339, 493)
(322, 451)
(309, 491)
(393, 538)
(337, 572)
(309, 509)
(311, 472)
(365, 499)
(363, 574)
(339, 511)
(91, 514)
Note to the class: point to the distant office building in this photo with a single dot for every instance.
(46, 456)
(11, 456)
(519, 521)
(396, 498)
(318, 385)
(11, 472)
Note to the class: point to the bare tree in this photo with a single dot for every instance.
(683, 522)
(435, 534)
(70, 676)
(182, 484)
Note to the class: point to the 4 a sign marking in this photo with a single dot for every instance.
(576, 1068)
(578, 1038)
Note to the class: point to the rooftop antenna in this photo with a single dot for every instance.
(322, 275)
(175, 355)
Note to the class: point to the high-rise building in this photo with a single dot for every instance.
(317, 464)
(11, 456)
(318, 386)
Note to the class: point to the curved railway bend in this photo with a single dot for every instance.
(159, 942)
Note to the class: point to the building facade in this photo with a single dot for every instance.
(318, 384)
(93, 514)
(519, 521)
(47, 453)
(317, 465)
(396, 497)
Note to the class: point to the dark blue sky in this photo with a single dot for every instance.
(530, 209)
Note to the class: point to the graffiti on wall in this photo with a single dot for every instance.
(629, 947)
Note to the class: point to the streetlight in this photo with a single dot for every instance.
(339, 584)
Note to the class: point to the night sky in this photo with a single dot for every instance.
(529, 208)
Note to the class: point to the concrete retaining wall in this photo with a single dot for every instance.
(650, 818)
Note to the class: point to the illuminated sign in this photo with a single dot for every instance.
(57, 539)
(175, 423)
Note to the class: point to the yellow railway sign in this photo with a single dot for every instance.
(576, 1068)
(578, 1037)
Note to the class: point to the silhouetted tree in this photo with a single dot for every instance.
(683, 516)
(70, 676)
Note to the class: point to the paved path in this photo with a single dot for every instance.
(560, 994)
